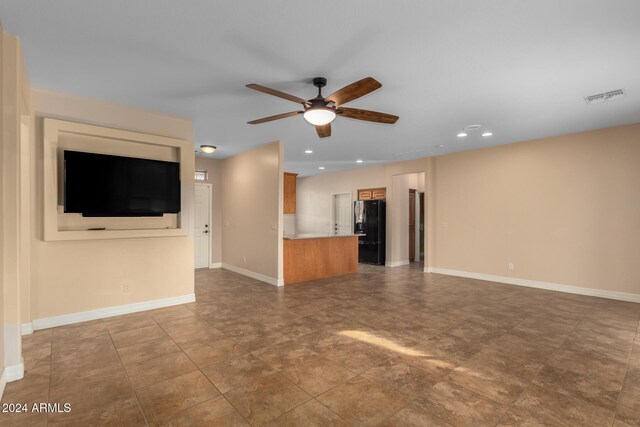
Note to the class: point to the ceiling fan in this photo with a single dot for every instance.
(321, 111)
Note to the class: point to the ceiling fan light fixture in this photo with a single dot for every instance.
(208, 148)
(319, 116)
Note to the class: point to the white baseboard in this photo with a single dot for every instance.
(215, 265)
(270, 280)
(14, 372)
(83, 316)
(397, 263)
(622, 296)
(3, 382)
(27, 328)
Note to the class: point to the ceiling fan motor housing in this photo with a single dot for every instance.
(319, 82)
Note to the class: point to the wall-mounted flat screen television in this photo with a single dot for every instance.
(99, 185)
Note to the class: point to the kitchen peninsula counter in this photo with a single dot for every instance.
(317, 236)
(317, 256)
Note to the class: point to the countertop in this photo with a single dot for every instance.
(317, 236)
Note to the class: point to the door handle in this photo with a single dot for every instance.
(205, 231)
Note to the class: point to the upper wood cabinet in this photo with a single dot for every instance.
(290, 192)
(379, 193)
(372, 194)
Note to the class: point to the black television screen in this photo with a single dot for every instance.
(115, 186)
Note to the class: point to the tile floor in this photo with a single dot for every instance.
(392, 347)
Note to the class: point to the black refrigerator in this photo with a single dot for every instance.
(369, 220)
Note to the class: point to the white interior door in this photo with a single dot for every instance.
(342, 211)
(202, 227)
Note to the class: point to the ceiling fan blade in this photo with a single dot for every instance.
(354, 91)
(277, 93)
(370, 116)
(276, 117)
(324, 130)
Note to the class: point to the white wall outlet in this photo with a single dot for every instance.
(125, 287)
(244, 259)
(511, 266)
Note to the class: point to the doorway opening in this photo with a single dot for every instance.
(202, 225)
(342, 214)
(416, 225)
(407, 220)
(412, 226)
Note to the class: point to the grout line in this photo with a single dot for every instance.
(624, 377)
(50, 372)
(200, 369)
(234, 408)
(297, 406)
(548, 358)
(127, 375)
(278, 372)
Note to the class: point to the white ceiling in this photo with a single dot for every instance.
(518, 67)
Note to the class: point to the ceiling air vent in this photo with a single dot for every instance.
(472, 128)
(607, 96)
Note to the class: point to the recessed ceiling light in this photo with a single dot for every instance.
(321, 168)
(308, 151)
(487, 134)
(440, 146)
(461, 135)
(208, 148)
(359, 161)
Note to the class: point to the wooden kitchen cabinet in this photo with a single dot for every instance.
(365, 195)
(290, 192)
(372, 194)
(379, 193)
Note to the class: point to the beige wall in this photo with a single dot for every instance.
(314, 198)
(73, 276)
(314, 195)
(213, 167)
(252, 210)
(564, 210)
(15, 101)
(2, 205)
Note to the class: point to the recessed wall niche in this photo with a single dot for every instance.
(59, 135)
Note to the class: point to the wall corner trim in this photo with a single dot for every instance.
(3, 382)
(397, 263)
(27, 328)
(621, 296)
(270, 280)
(215, 265)
(83, 316)
(14, 372)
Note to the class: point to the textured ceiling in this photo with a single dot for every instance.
(519, 68)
